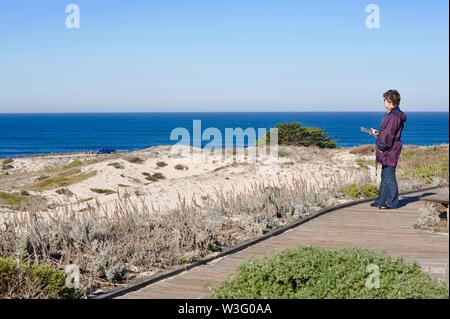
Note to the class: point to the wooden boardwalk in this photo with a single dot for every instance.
(357, 226)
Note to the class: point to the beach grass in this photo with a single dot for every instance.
(64, 180)
(7, 164)
(424, 165)
(73, 164)
(135, 160)
(12, 200)
(110, 241)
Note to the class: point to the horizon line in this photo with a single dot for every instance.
(206, 112)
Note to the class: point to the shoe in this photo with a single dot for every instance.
(386, 207)
(374, 205)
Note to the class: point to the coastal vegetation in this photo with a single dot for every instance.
(297, 135)
(135, 160)
(64, 191)
(58, 181)
(7, 164)
(103, 191)
(21, 201)
(153, 177)
(115, 245)
(19, 279)
(311, 272)
(73, 164)
(161, 164)
(115, 238)
(363, 150)
(433, 217)
(116, 165)
(360, 191)
(12, 200)
(418, 166)
(424, 166)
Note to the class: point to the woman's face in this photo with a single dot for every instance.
(388, 105)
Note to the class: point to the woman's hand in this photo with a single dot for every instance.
(374, 132)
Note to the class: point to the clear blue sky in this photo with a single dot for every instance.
(222, 55)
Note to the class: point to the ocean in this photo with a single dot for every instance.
(28, 134)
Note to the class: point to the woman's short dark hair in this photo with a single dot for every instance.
(393, 97)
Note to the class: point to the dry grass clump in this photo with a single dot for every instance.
(153, 177)
(366, 164)
(363, 150)
(116, 165)
(135, 160)
(7, 164)
(161, 164)
(64, 191)
(111, 244)
(103, 191)
(21, 201)
(433, 217)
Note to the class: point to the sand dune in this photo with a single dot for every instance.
(161, 176)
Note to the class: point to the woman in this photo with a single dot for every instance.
(389, 147)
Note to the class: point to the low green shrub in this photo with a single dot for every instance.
(352, 191)
(370, 191)
(19, 279)
(310, 272)
(360, 191)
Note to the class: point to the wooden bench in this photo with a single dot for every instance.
(437, 199)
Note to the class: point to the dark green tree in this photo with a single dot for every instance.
(298, 135)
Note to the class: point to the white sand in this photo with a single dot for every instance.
(201, 180)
